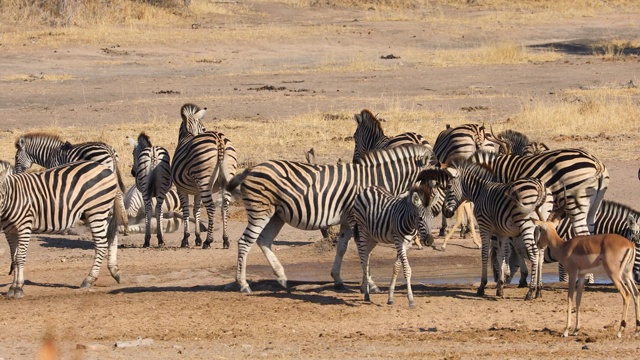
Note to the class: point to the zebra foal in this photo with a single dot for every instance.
(54, 200)
(204, 162)
(381, 217)
(311, 197)
(152, 171)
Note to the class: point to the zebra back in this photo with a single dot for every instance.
(463, 140)
(309, 196)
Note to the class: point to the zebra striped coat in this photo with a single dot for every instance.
(381, 217)
(502, 210)
(49, 151)
(54, 200)
(310, 197)
(204, 162)
(152, 171)
(370, 136)
(581, 175)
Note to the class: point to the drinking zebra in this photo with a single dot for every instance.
(381, 217)
(54, 200)
(152, 171)
(49, 151)
(370, 136)
(310, 197)
(204, 162)
(573, 173)
(503, 210)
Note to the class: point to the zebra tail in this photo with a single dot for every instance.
(118, 214)
(233, 185)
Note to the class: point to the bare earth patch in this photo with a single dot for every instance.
(284, 62)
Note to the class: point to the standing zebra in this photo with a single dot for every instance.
(49, 151)
(84, 189)
(461, 141)
(503, 210)
(582, 175)
(381, 217)
(204, 161)
(370, 136)
(152, 171)
(311, 197)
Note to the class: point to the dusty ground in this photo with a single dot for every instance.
(180, 298)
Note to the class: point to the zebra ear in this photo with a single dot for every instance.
(632, 223)
(544, 146)
(452, 171)
(20, 143)
(132, 142)
(200, 114)
(415, 199)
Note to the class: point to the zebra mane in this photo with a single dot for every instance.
(471, 168)
(188, 110)
(613, 206)
(143, 140)
(36, 136)
(395, 153)
(367, 119)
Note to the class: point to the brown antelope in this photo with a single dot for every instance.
(582, 254)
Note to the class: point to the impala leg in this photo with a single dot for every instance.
(581, 282)
(572, 289)
(459, 215)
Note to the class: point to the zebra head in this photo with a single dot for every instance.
(421, 198)
(368, 133)
(438, 178)
(535, 148)
(23, 159)
(191, 116)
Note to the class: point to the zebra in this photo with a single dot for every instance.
(53, 200)
(535, 148)
(574, 172)
(381, 217)
(203, 162)
(309, 197)
(503, 210)
(517, 142)
(369, 136)
(152, 171)
(461, 141)
(612, 218)
(48, 151)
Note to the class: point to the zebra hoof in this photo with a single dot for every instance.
(375, 290)
(529, 296)
(225, 243)
(116, 277)
(86, 284)
(160, 244)
(522, 284)
(390, 302)
(245, 289)
(283, 283)
(412, 305)
(146, 245)
(480, 292)
(198, 241)
(441, 233)
(184, 244)
(18, 294)
(339, 286)
(206, 245)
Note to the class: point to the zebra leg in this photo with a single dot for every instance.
(402, 256)
(264, 242)
(394, 277)
(159, 216)
(124, 219)
(365, 246)
(147, 221)
(341, 249)
(520, 253)
(18, 246)
(226, 200)
(503, 243)
(112, 264)
(443, 226)
(486, 244)
(184, 201)
(196, 215)
(533, 253)
(249, 237)
(99, 235)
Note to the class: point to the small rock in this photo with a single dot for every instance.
(589, 339)
(585, 347)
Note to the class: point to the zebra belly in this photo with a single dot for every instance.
(309, 222)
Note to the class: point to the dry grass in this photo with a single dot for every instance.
(34, 77)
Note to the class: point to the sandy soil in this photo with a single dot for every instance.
(184, 299)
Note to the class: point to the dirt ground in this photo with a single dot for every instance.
(184, 299)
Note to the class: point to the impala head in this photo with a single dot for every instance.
(545, 233)
(368, 132)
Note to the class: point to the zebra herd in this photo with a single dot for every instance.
(390, 192)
